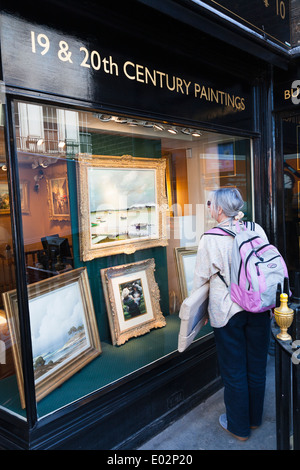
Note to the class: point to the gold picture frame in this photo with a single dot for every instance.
(132, 300)
(185, 262)
(122, 205)
(24, 196)
(4, 198)
(62, 308)
(58, 198)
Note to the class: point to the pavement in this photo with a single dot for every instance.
(199, 429)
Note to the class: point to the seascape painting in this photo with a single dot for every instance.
(122, 204)
(58, 329)
(64, 331)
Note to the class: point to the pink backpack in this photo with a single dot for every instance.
(257, 268)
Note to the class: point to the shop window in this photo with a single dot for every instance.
(113, 210)
(291, 167)
(9, 394)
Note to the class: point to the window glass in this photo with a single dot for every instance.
(291, 126)
(9, 392)
(113, 209)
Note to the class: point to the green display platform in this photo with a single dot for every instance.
(112, 365)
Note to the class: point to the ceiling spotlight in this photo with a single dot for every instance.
(158, 127)
(133, 122)
(120, 120)
(172, 130)
(186, 131)
(103, 117)
(44, 164)
(196, 133)
(148, 124)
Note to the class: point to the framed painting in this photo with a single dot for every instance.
(132, 300)
(220, 160)
(185, 262)
(227, 160)
(24, 195)
(64, 334)
(122, 205)
(58, 198)
(4, 198)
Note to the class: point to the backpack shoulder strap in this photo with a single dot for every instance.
(219, 231)
(222, 232)
(250, 225)
(222, 278)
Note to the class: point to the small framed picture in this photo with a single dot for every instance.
(4, 198)
(185, 261)
(132, 299)
(227, 161)
(58, 198)
(220, 160)
(24, 195)
(64, 334)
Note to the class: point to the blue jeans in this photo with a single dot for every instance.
(242, 348)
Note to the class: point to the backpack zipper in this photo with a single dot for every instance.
(248, 241)
(261, 260)
(268, 260)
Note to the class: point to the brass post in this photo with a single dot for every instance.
(284, 318)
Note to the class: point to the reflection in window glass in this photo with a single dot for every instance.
(113, 209)
(291, 127)
(9, 393)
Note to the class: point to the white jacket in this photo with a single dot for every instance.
(213, 256)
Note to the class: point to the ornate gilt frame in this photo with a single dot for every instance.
(52, 214)
(112, 280)
(89, 252)
(59, 374)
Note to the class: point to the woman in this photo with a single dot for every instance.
(242, 338)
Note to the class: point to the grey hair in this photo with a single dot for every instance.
(229, 199)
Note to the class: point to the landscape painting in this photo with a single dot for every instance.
(64, 333)
(58, 329)
(122, 205)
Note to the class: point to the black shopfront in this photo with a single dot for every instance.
(116, 123)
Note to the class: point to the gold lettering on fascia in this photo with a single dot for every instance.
(142, 74)
(292, 93)
(220, 97)
(41, 45)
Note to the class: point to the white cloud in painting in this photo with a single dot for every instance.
(120, 188)
(51, 317)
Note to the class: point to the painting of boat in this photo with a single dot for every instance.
(123, 204)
